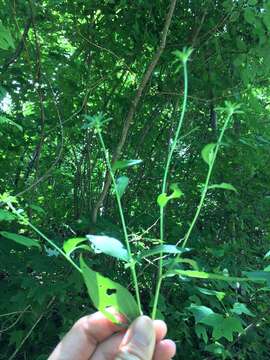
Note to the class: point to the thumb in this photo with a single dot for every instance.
(139, 341)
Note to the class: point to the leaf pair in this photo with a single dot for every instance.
(163, 198)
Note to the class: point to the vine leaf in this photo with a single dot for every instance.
(20, 239)
(109, 246)
(223, 326)
(105, 293)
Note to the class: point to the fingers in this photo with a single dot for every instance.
(139, 341)
(164, 350)
(80, 342)
(109, 348)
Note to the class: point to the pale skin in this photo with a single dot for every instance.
(94, 337)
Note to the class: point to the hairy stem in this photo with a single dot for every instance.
(132, 266)
(164, 187)
(205, 188)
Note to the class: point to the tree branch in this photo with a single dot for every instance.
(20, 46)
(134, 105)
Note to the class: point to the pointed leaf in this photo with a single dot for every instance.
(208, 152)
(5, 120)
(219, 294)
(225, 186)
(23, 240)
(121, 185)
(203, 275)
(109, 246)
(240, 309)
(200, 312)
(122, 164)
(71, 244)
(105, 293)
(165, 249)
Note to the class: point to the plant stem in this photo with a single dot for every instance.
(164, 187)
(15, 211)
(132, 263)
(205, 188)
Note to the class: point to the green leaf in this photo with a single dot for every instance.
(23, 240)
(6, 215)
(258, 276)
(122, 164)
(5, 120)
(6, 40)
(225, 186)
(163, 198)
(105, 293)
(201, 332)
(109, 246)
(165, 249)
(37, 208)
(71, 244)
(202, 275)
(223, 326)
(219, 294)
(121, 185)
(200, 312)
(208, 153)
(240, 309)
(267, 254)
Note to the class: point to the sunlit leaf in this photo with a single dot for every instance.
(203, 275)
(208, 153)
(105, 293)
(163, 198)
(23, 240)
(165, 249)
(109, 246)
(71, 244)
(122, 164)
(224, 186)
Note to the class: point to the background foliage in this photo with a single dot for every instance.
(61, 60)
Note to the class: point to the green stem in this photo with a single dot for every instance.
(204, 192)
(132, 266)
(164, 187)
(44, 237)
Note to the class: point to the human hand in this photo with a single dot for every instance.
(94, 337)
